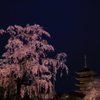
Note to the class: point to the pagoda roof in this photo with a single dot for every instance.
(89, 76)
(85, 78)
(78, 91)
(84, 69)
(80, 84)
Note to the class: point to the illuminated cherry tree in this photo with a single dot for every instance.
(92, 91)
(25, 67)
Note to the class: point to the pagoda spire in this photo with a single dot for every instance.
(85, 62)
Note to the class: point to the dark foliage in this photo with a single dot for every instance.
(76, 94)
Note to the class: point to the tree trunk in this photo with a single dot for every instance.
(18, 86)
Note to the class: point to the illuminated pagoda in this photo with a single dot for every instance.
(86, 75)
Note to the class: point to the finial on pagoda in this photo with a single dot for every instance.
(85, 62)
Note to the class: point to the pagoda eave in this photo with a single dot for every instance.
(83, 88)
(86, 73)
(80, 85)
(85, 79)
(79, 91)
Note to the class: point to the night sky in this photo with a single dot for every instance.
(74, 26)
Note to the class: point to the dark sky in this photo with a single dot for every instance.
(74, 26)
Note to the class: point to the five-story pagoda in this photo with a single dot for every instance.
(86, 75)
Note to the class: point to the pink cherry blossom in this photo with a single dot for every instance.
(25, 66)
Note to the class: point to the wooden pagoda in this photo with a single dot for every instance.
(86, 75)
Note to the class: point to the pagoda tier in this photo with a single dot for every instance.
(85, 72)
(80, 85)
(85, 77)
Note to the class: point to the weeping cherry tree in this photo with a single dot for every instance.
(25, 67)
